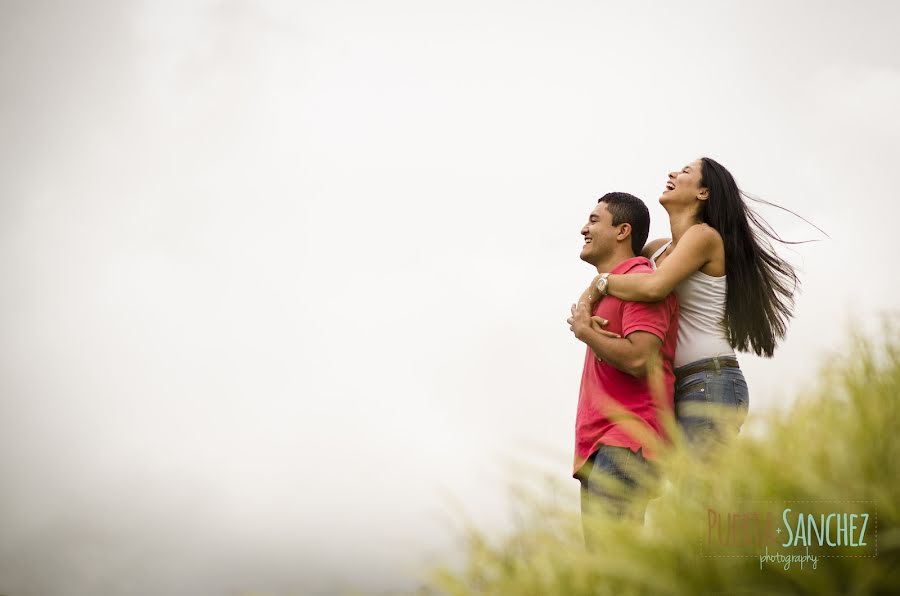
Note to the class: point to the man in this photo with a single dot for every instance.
(627, 384)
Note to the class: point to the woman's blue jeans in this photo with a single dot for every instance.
(710, 405)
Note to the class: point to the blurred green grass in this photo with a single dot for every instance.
(835, 444)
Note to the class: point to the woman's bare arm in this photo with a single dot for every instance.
(591, 295)
(694, 250)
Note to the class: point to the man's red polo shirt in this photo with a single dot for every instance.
(605, 389)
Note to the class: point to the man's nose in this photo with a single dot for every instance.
(584, 230)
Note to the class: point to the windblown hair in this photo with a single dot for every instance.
(761, 285)
(627, 208)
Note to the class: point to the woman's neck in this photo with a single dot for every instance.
(680, 222)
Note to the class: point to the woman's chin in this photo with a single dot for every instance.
(667, 200)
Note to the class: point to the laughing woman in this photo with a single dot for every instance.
(734, 293)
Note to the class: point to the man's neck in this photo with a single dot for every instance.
(614, 260)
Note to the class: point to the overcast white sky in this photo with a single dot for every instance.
(284, 280)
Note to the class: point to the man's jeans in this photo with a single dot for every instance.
(618, 482)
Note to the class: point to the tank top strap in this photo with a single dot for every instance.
(660, 251)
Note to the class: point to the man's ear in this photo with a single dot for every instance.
(624, 232)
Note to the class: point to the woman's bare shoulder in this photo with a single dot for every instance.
(705, 233)
(653, 246)
(706, 240)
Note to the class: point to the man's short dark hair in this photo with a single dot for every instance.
(626, 208)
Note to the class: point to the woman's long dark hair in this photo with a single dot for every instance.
(761, 285)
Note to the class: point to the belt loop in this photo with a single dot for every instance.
(716, 362)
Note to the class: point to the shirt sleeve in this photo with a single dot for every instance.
(652, 317)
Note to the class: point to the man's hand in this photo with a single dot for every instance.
(629, 355)
(581, 320)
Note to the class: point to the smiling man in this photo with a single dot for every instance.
(627, 382)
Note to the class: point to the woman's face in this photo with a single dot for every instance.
(683, 186)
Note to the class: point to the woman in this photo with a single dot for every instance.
(734, 293)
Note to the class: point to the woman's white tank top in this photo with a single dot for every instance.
(701, 316)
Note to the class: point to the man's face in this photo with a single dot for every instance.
(599, 235)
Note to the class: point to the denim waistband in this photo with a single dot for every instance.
(715, 363)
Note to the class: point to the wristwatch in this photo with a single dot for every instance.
(602, 283)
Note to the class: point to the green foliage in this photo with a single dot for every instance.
(837, 443)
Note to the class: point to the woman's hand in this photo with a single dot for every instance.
(589, 298)
(590, 294)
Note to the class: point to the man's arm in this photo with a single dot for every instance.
(628, 354)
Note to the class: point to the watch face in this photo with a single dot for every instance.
(602, 283)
